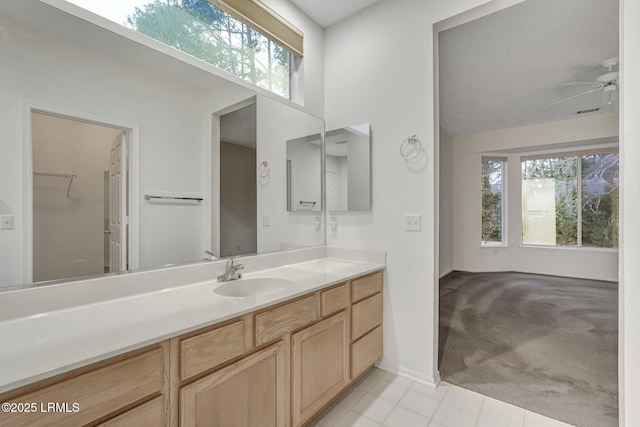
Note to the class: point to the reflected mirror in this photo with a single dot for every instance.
(304, 178)
(348, 168)
(164, 113)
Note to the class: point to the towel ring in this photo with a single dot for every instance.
(410, 148)
(264, 170)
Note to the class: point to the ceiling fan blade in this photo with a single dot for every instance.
(583, 84)
(575, 96)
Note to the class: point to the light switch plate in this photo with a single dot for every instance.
(413, 222)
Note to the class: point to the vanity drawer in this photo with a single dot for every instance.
(365, 316)
(366, 351)
(147, 414)
(97, 393)
(366, 286)
(209, 349)
(334, 299)
(284, 319)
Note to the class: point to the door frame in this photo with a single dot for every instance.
(464, 17)
(214, 178)
(133, 162)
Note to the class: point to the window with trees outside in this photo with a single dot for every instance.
(571, 200)
(209, 33)
(493, 185)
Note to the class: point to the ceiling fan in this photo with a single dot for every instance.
(607, 82)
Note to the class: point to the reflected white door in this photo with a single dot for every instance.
(333, 193)
(118, 204)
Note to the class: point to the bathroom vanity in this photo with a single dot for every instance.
(254, 359)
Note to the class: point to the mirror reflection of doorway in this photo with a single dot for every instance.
(238, 182)
(79, 197)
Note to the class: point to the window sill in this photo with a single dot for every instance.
(490, 246)
(570, 248)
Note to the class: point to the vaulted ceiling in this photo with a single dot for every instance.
(507, 68)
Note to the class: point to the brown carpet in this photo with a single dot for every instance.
(547, 344)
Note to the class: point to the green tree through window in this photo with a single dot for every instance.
(206, 32)
(492, 187)
(586, 197)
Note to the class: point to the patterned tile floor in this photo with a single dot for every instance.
(385, 399)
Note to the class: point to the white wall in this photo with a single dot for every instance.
(311, 94)
(276, 124)
(629, 371)
(379, 69)
(468, 254)
(401, 105)
(445, 246)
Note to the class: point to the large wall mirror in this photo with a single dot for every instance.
(348, 168)
(118, 156)
(304, 175)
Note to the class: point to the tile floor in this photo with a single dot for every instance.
(384, 399)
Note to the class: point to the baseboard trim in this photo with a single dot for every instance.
(449, 271)
(431, 381)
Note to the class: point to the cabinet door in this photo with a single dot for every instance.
(251, 392)
(320, 358)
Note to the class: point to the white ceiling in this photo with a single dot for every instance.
(328, 12)
(239, 126)
(505, 69)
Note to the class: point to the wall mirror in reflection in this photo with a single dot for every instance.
(348, 168)
(304, 176)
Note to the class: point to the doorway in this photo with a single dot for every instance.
(479, 293)
(79, 193)
(238, 182)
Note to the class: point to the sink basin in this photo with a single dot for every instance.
(252, 287)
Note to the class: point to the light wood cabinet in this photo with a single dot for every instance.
(251, 392)
(209, 349)
(92, 395)
(334, 300)
(320, 365)
(366, 286)
(278, 366)
(366, 323)
(148, 414)
(274, 323)
(366, 315)
(366, 351)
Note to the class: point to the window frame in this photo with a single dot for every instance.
(503, 201)
(578, 154)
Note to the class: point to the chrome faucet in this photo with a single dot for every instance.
(211, 257)
(231, 271)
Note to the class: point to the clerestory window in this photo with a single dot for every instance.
(242, 37)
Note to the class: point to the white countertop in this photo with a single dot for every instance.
(42, 344)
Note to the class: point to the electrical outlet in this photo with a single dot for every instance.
(6, 222)
(334, 222)
(413, 222)
(265, 221)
